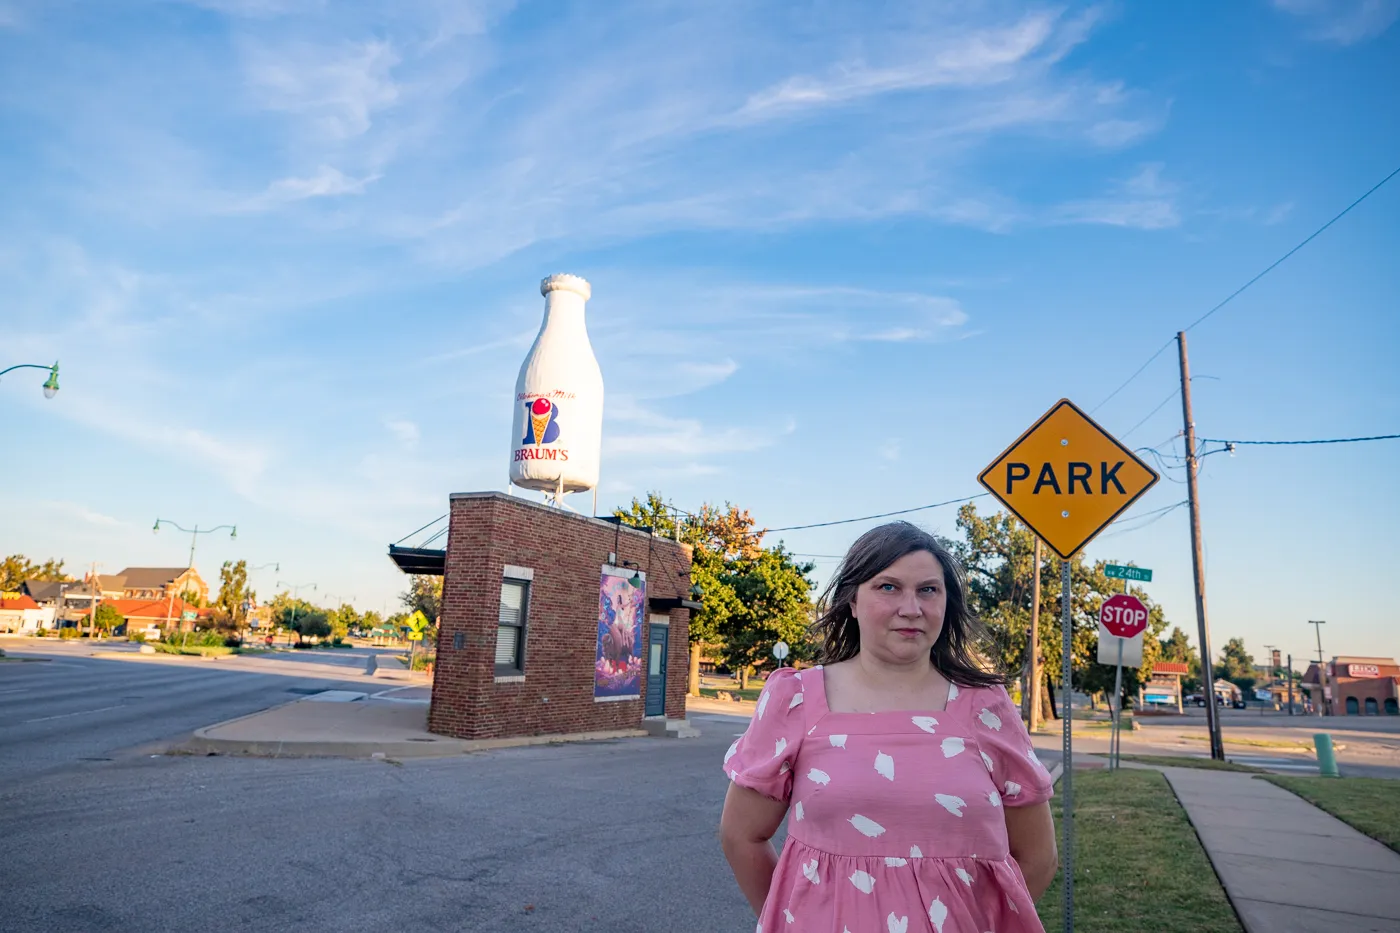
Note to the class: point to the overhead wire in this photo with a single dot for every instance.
(1239, 291)
(863, 518)
(1332, 440)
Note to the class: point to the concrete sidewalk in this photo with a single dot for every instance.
(352, 726)
(1285, 864)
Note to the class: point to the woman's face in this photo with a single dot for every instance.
(900, 610)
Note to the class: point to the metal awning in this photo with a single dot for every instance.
(667, 603)
(418, 560)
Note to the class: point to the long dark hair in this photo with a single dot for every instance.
(874, 552)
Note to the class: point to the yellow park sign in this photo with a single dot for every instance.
(1067, 478)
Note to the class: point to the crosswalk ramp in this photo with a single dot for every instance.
(1279, 764)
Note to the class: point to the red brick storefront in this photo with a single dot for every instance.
(497, 542)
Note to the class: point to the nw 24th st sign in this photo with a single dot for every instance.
(1067, 478)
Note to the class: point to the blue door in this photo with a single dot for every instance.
(657, 644)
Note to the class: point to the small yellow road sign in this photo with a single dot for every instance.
(1067, 478)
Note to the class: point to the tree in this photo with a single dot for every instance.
(1236, 665)
(774, 596)
(370, 621)
(107, 619)
(285, 610)
(424, 594)
(716, 536)
(17, 568)
(313, 624)
(342, 620)
(998, 553)
(234, 595)
(1177, 647)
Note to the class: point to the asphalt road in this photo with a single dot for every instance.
(65, 712)
(101, 836)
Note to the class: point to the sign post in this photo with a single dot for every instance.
(780, 651)
(1067, 478)
(1122, 622)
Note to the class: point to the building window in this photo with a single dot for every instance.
(510, 627)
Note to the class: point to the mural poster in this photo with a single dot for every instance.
(617, 672)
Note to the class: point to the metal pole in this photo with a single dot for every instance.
(1217, 747)
(1067, 776)
(1118, 705)
(1290, 685)
(1034, 718)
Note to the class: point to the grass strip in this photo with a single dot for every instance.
(1137, 862)
(1182, 761)
(750, 694)
(1368, 805)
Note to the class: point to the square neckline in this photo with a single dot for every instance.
(955, 693)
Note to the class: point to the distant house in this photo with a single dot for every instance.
(153, 583)
(20, 613)
(150, 616)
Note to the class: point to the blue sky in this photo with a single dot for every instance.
(288, 253)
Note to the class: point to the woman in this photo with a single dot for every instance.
(914, 800)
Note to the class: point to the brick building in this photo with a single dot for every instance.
(1356, 686)
(554, 622)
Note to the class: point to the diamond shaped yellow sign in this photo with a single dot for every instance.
(1067, 478)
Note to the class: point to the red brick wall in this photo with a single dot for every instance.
(488, 531)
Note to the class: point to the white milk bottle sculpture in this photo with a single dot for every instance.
(558, 425)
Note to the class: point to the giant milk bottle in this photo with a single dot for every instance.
(558, 424)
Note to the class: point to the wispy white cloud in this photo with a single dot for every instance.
(1342, 22)
(406, 432)
(335, 89)
(1144, 201)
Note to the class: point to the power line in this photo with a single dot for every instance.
(863, 518)
(1239, 291)
(1284, 258)
(1334, 440)
(1161, 514)
(1154, 411)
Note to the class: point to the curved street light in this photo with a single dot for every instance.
(194, 532)
(50, 384)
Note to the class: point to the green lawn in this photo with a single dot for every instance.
(749, 694)
(1181, 761)
(1138, 864)
(1370, 805)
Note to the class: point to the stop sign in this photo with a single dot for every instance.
(1124, 616)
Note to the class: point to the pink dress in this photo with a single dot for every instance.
(895, 820)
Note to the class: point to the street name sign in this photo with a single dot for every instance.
(1119, 572)
(1067, 478)
(189, 615)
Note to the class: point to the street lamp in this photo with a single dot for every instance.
(50, 384)
(194, 532)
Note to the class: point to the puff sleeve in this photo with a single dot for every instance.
(1019, 776)
(763, 757)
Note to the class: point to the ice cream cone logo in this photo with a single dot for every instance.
(544, 424)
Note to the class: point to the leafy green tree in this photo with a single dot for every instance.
(342, 620)
(17, 568)
(717, 537)
(370, 621)
(313, 624)
(774, 594)
(998, 553)
(234, 594)
(285, 610)
(1177, 647)
(107, 619)
(1236, 665)
(424, 594)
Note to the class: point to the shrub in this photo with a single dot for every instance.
(195, 639)
(69, 633)
(138, 637)
(421, 661)
(41, 633)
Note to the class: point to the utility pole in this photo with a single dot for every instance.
(1290, 685)
(1193, 463)
(1321, 665)
(1033, 719)
(1273, 671)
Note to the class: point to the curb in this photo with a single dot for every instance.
(201, 743)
